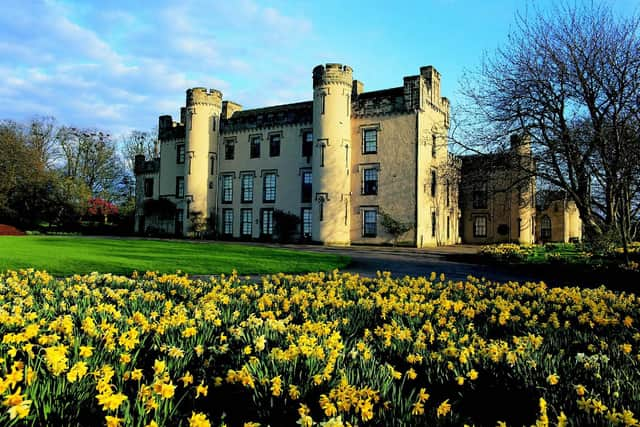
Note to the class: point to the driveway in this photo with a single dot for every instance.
(367, 260)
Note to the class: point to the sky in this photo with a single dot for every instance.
(117, 65)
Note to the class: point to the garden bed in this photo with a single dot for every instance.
(315, 348)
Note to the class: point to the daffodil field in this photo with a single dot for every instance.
(318, 349)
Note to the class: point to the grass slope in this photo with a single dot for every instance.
(69, 255)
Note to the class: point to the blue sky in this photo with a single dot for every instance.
(117, 65)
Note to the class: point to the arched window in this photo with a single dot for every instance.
(545, 228)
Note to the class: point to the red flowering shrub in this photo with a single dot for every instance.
(97, 207)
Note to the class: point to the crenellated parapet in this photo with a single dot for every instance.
(169, 129)
(203, 96)
(332, 74)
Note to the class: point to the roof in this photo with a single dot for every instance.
(286, 114)
(386, 101)
(384, 93)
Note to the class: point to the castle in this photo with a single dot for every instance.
(340, 163)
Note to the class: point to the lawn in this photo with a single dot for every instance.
(63, 256)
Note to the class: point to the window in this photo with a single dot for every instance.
(306, 223)
(229, 150)
(434, 139)
(274, 145)
(267, 222)
(246, 221)
(227, 222)
(370, 181)
(519, 226)
(180, 153)
(212, 160)
(269, 189)
(148, 187)
(545, 228)
(307, 144)
(369, 223)
(480, 196)
(480, 226)
(433, 224)
(369, 141)
(323, 145)
(306, 186)
(448, 227)
(213, 123)
(448, 193)
(323, 96)
(255, 146)
(227, 188)
(434, 180)
(179, 186)
(247, 188)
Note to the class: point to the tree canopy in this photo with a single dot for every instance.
(55, 174)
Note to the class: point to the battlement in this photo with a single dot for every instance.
(168, 129)
(430, 73)
(386, 101)
(200, 95)
(332, 74)
(229, 108)
(143, 166)
(279, 115)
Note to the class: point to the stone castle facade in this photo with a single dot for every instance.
(337, 162)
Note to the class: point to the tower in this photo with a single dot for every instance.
(201, 146)
(332, 86)
(523, 169)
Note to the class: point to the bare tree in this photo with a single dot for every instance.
(570, 79)
(135, 143)
(41, 138)
(90, 156)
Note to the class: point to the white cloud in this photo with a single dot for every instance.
(111, 67)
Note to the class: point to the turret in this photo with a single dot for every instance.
(523, 167)
(202, 120)
(332, 89)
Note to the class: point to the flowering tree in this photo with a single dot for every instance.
(98, 207)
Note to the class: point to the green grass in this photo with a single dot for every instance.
(63, 256)
(563, 252)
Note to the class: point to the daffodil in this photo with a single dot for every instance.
(199, 420)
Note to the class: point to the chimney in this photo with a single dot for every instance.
(357, 88)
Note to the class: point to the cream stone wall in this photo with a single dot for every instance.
(573, 227)
(433, 126)
(287, 166)
(396, 163)
(510, 210)
(566, 225)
